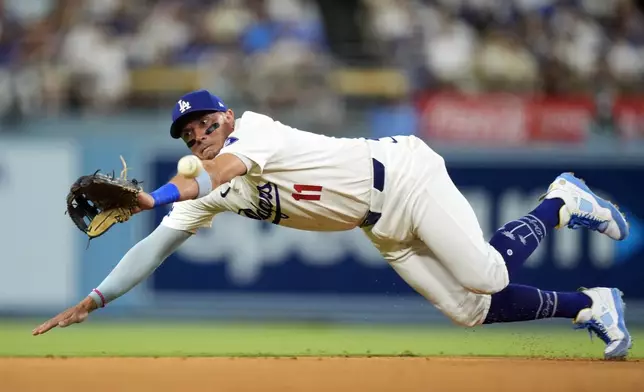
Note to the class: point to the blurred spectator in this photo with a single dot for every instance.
(450, 47)
(93, 55)
(577, 41)
(282, 46)
(95, 62)
(625, 61)
(504, 64)
(391, 22)
(165, 30)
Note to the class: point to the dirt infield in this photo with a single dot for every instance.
(317, 374)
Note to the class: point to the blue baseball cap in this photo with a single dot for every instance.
(195, 101)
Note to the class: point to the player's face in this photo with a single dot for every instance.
(206, 134)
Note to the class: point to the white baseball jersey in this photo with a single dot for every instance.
(295, 179)
(425, 228)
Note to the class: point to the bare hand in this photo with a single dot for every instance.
(146, 202)
(73, 315)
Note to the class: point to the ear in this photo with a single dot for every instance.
(230, 116)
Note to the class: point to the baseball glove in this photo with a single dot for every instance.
(98, 201)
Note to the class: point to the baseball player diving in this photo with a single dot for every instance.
(396, 189)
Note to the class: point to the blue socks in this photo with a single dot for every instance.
(522, 303)
(517, 240)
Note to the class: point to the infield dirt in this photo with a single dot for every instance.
(310, 374)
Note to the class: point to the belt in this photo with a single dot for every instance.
(377, 195)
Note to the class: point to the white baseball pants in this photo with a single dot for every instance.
(431, 236)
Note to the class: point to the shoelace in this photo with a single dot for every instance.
(585, 219)
(598, 328)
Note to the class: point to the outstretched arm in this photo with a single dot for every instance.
(137, 264)
(217, 171)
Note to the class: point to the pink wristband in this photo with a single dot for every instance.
(101, 296)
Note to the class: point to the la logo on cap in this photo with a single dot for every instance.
(183, 106)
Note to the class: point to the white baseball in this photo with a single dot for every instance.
(189, 166)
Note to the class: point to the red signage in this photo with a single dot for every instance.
(513, 119)
(453, 117)
(559, 119)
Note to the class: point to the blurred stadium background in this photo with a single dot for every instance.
(512, 92)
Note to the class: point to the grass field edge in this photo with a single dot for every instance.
(329, 356)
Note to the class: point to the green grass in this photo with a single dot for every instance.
(103, 338)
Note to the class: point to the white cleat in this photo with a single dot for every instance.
(606, 320)
(583, 208)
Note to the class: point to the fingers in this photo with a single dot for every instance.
(62, 320)
(44, 327)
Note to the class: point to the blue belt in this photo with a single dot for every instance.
(379, 184)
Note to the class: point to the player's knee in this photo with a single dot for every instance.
(490, 286)
(490, 280)
(486, 284)
(463, 319)
(467, 312)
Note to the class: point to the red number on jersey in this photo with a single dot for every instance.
(313, 192)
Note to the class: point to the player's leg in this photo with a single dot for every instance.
(568, 202)
(444, 220)
(599, 309)
(525, 303)
(518, 239)
(421, 270)
(515, 242)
